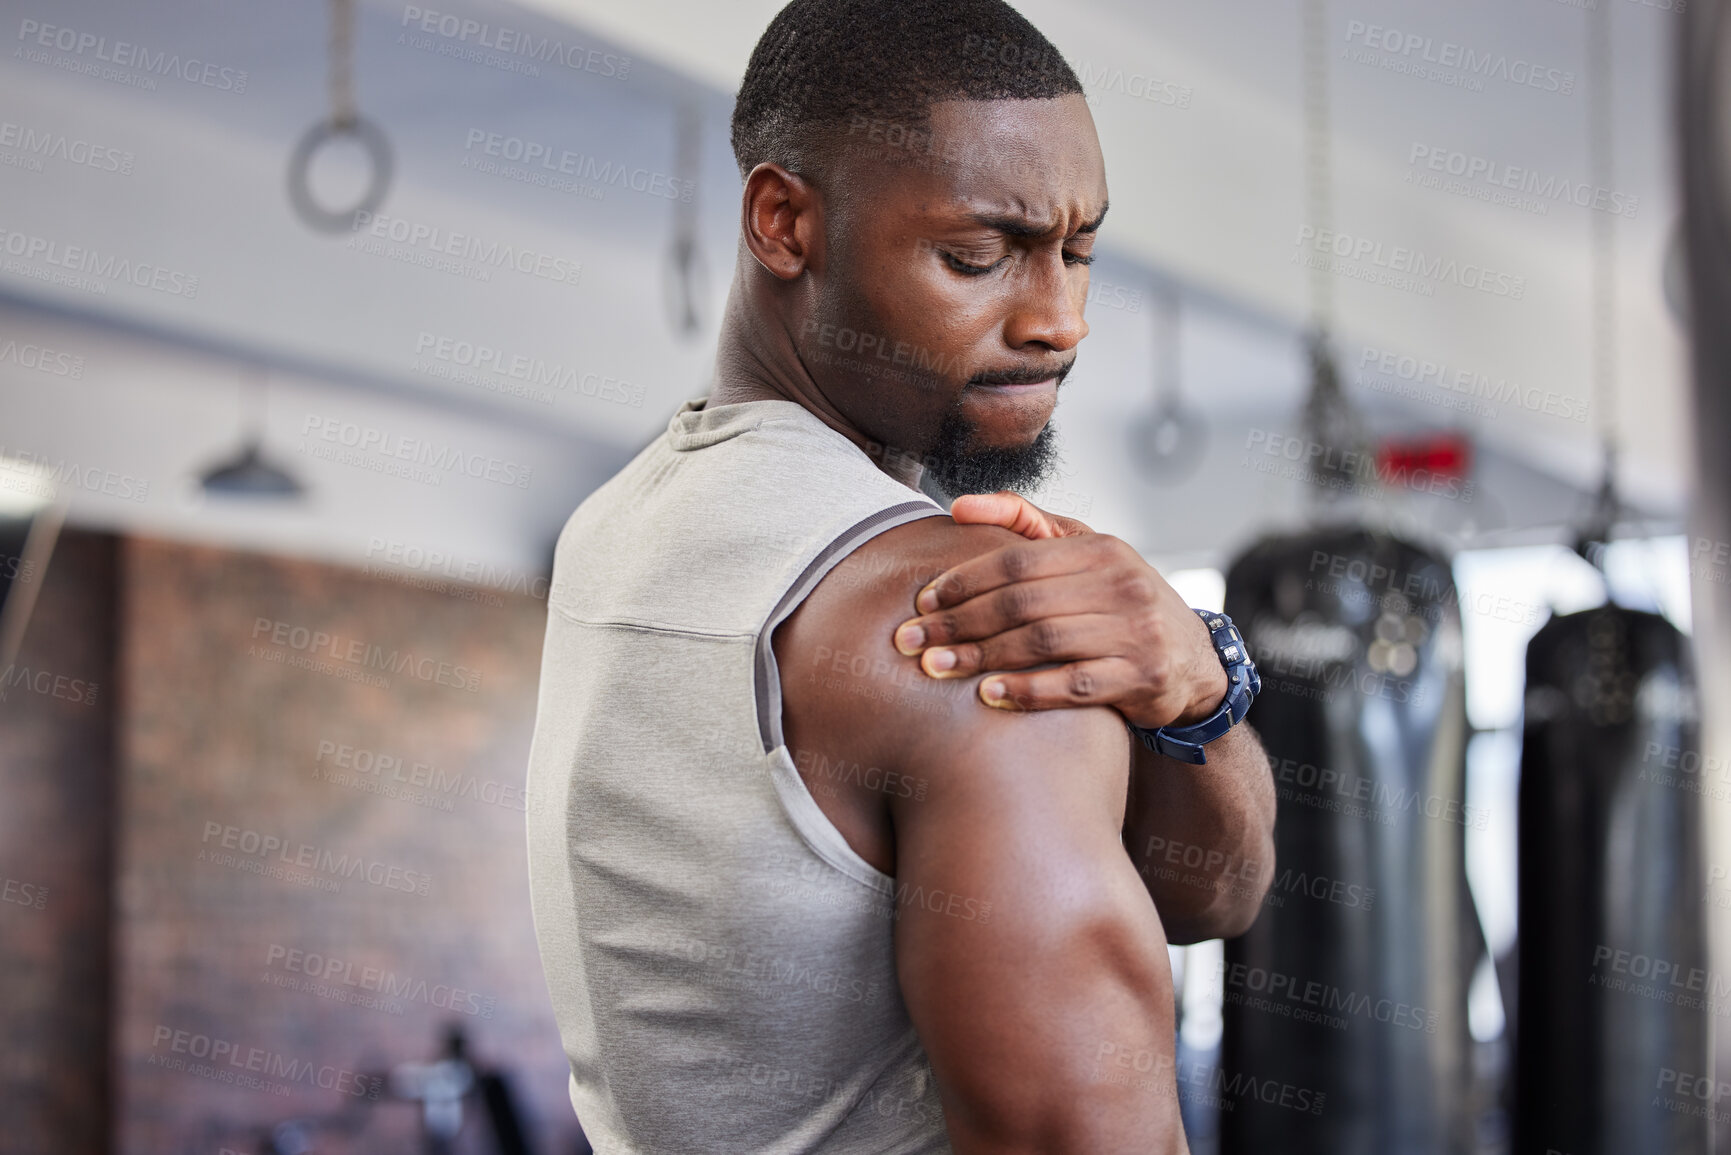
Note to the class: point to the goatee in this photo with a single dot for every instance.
(958, 464)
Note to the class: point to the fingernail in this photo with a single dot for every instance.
(910, 638)
(992, 690)
(938, 660)
(927, 601)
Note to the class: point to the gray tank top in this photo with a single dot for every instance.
(719, 959)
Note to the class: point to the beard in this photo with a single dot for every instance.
(958, 464)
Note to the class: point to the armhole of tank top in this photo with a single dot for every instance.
(807, 816)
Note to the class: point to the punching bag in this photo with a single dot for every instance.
(1703, 292)
(1351, 984)
(1610, 1032)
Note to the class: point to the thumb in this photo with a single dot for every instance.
(1015, 513)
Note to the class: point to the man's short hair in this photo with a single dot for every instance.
(826, 68)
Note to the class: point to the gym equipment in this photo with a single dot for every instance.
(440, 1088)
(1704, 149)
(1615, 995)
(344, 120)
(1612, 954)
(1344, 1021)
(1349, 991)
(1169, 442)
(684, 272)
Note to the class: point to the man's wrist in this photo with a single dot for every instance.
(1185, 741)
(1214, 688)
(1207, 695)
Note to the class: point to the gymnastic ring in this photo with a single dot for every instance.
(378, 150)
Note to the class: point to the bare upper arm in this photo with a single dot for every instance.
(847, 694)
(1029, 955)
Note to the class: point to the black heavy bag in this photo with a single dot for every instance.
(1698, 284)
(1351, 985)
(1611, 1026)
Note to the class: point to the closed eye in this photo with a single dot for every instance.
(968, 270)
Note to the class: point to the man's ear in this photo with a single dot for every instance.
(783, 224)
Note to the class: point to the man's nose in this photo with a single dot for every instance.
(1048, 309)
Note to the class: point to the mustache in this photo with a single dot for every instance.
(1022, 376)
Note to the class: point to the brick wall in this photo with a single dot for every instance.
(321, 856)
(56, 829)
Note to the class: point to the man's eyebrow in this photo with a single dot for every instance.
(1014, 226)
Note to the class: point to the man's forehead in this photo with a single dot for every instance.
(1010, 200)
(1027, 165)
(1012, 115)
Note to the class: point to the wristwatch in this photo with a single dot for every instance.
(1243, 684)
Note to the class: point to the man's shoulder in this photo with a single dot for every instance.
(883, 576)
(839, 665)
(839, 643)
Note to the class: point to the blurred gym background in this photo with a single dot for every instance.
(317, 320)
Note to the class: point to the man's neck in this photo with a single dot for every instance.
(756, 360)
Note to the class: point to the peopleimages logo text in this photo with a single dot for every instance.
(359, 653)
(442, 242)
(366, 439)
(1448, 54)
(1411, 262)
(514, 42)
(123, 54)
(93, 263)
(42, 143)
(1470, 383)
(535, 153)
(1547, 187)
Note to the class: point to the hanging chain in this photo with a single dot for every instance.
(685, 253)
(687, 164)
(344, 120)
(342, 64)
(1168, 319)
(1319, 179)
(1330, 420)
(1601, 147)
